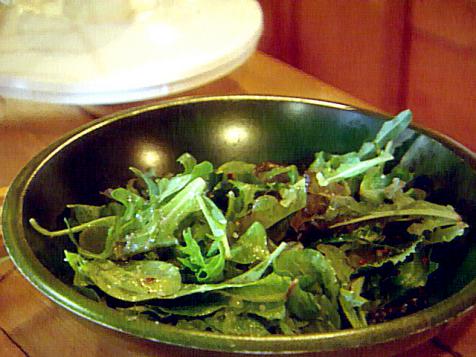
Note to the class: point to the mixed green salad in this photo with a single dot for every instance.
(258, 249)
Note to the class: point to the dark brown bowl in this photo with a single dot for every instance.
(97, 156)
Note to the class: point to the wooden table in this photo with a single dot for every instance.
(32, 325)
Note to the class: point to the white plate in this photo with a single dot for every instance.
(117, 51)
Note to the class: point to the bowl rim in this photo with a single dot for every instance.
(43, 280)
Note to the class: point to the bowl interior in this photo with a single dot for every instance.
(90, 160)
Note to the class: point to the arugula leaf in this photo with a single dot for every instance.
(162, 189)
(350, 168)
(429, 224)
(168, 187)
(152, 187)
(256, 285)
(446, 234)
(130, 200)
(103, 221)
(157, 227)
(415, 208)
(335, 168)
(249, 278)
(389, 131)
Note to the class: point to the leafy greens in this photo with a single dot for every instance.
(258, 249)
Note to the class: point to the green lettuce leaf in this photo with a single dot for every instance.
(241, 203)
(188, 162)
(290, 171)
(251, 246)
(315, 297)
(414, 273)
(339, 261)
(217, 222)
(206, 269)
(230, 323)
(351, 303)
(373, 185)
(199, 306)
(239, 171)
(272, 288)
(132, 281)
(268, 210)
(259, 269)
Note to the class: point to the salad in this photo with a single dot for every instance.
(259, 249)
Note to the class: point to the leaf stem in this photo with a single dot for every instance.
(103, 221)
